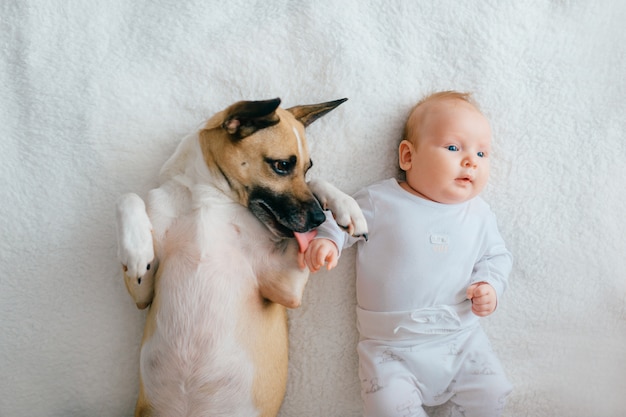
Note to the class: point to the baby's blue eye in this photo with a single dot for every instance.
(481, 154)
(453, 148)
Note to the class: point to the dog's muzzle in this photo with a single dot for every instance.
(284, 214)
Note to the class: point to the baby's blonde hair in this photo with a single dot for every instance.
(410, 128)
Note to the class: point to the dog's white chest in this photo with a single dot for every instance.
(204, 279)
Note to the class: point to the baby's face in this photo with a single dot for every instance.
(449, 162)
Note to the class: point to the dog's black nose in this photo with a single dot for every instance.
(316, 217)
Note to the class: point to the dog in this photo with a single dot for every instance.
(213, 251)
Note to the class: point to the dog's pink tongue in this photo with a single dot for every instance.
(305, 238)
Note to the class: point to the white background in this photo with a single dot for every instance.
(94, 96)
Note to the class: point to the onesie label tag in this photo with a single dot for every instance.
(439, 239)
(439, 243)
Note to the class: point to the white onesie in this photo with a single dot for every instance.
(420, 343)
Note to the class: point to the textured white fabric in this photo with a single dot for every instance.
(95, 96)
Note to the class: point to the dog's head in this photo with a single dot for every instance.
(260, 150)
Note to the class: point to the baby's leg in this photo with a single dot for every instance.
(400, 398)
(388, 389)
(481, 387)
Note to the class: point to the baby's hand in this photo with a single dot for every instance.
(320, 252)
(484, 298)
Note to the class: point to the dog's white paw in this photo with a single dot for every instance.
(345, 209)
(141, 289)
(135, 248)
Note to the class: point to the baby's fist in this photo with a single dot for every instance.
(320, 252)
(484, 298)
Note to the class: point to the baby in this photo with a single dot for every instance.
(435, 262)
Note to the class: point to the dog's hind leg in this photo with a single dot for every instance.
(266, 342)
(142, 408)
(345, 209)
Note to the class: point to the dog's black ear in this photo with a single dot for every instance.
(246, 117)
(309, 113)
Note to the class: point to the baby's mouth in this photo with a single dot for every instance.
(464, 180)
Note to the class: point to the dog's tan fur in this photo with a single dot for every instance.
(212, 253)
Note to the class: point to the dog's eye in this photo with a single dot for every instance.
(283, 166)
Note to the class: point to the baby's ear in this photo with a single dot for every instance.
(405, 155)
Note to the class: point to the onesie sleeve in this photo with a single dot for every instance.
(496, 261)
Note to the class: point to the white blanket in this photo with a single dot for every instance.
(95, 95)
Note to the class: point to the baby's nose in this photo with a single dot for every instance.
(469, 162)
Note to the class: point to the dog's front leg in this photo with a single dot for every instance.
(135, 248)
(345, 209)
(280, 279)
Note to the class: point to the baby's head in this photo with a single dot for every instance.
(445, 149)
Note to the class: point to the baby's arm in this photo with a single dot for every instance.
(326, 248)
(490, 276)
(484, 298)
(320, 252)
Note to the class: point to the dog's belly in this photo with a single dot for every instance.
(193, 362)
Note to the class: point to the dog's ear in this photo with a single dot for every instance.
(246, 117)
(309, 113)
